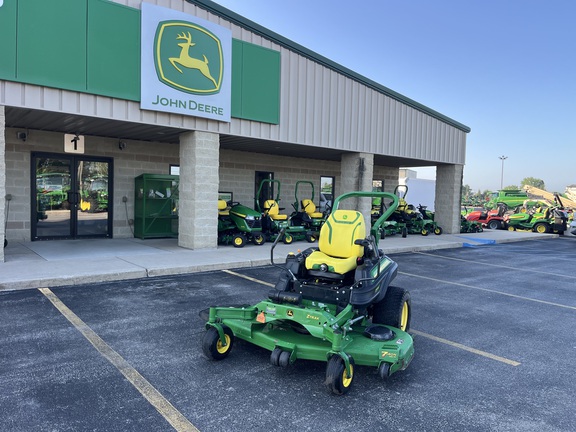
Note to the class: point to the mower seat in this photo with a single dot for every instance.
(310, 209)
(272, 209)
(337, 251)
(223, 209)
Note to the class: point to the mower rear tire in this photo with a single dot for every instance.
(394, 310)
(239, 240)
(404, 232)
(212, 346)
(311, 238)
(337, 380)
(541, 228)
(494, 224)
(258, 239)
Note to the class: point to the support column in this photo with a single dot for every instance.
(199, 179)
(2, 180)
(356, 175)
(448, 197)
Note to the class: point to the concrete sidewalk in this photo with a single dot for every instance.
(71, 262)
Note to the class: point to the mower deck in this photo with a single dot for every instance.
(313, 332)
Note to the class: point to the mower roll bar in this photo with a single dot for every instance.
(391, 209)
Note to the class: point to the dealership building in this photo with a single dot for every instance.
(123, 118)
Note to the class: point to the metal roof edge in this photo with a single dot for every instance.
(235, 18)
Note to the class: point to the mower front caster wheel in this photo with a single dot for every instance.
(212, 346)
(337, 380)
(280, 357)
(384, 371)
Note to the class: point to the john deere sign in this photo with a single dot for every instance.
(185, 64)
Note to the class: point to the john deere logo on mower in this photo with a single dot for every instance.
(188, 57)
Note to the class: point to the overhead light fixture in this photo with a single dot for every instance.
(22, 136)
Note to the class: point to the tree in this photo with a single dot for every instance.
(532, 181)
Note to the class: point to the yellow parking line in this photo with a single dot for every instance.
(248, 278)
(490, 291)
(466, 348)
(426, 335)
(162, 405)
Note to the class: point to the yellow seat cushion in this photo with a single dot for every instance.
(336, 243)
(310, 209)
(223, 209)
(272, 209)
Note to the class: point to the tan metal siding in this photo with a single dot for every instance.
(319, 107)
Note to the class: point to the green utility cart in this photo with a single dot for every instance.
(156, 206)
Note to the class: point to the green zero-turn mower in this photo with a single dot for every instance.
(274, 222)
(333, 304)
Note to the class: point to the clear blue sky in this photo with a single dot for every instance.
(505, 68)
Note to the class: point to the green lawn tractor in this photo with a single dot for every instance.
(332, 304)
(541, 220)
(238, 224)
(274, 222)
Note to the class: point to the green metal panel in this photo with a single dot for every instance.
(52, 43)
(236, 103)
(8, 40)
(255, 82)
(113, 50)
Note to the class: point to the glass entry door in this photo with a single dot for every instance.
(70, 196)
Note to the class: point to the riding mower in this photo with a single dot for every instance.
(306, 213)
(492, 219)
(333, 304)
(274, 222)
(540, 220)
(409, 219)
(388, 227)
(238, 224)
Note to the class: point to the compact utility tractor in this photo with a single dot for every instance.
(333, 304)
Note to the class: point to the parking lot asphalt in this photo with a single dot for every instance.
(493, 328)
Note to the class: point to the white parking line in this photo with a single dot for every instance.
(153, 396)
(476, 263)
(490, 291)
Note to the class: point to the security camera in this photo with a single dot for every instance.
(121, 145)
(22, 136)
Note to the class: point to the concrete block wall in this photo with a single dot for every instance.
(198, 222)
(237, 175)
(389, 175)
(448, 197)
(137, 158)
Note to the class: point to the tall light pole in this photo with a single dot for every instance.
(502, 158)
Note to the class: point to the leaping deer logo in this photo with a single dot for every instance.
(188, 62)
